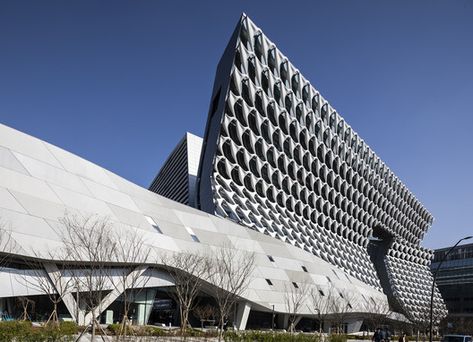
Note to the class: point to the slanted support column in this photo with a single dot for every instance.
(354, 325)
(282, 321)
(297, 320)
(112, 296)
(68, 299)
(243, 312)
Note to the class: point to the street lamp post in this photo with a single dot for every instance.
(433, 285)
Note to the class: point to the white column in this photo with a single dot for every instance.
(243, 312)
(68, 299)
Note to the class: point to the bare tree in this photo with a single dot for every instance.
(341, 304)
(25, 304)
(294, 298)
(130, 253)
(89, 244)
(52, 285)
(321, 301)
(205, 313)
(188, 271)
(376, 312)
(7, 244)
(229, 271)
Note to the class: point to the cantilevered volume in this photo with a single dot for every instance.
(279, 159)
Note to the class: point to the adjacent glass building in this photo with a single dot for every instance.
(455, 280)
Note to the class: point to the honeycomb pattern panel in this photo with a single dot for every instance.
(411, 281)
(289, 166)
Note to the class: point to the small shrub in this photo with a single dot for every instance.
(11, 330)
(262, 336)
(114, 328)
(68, 328)
(24, 331)
(337, 338)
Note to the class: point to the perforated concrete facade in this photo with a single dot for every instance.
(279, 159)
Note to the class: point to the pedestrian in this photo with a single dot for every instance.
(402, 338)
(377, 335)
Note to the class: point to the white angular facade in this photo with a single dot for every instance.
(41, 183)
(279, 159)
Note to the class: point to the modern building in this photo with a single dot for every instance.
(41, 184)
(280, 174)
(279, 159)
(455, 282)
(177, 178)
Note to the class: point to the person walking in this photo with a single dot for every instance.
(377, 335)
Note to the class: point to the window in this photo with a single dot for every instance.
(321, 293)
(341, 295)
(329, 280)
(154, 224)
(269, 282)
(295, 285)
(349, 306)
(304, 269)
(270, 258)
(336, 275)
(192, 234)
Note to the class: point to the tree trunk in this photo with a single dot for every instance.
(92, 338)
(221, 324)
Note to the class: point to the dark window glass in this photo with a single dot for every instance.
(269, 282)
(157, 228)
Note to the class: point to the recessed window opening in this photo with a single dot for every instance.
(269, 282)
(341, 295)
(153, 223)
(270, 258)
(304, 269)
(349, 305)
(328, 278)
(295, 285)
(322, 293)
(192, 234)
(336, 275)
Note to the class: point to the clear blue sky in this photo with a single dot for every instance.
(119, 82)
